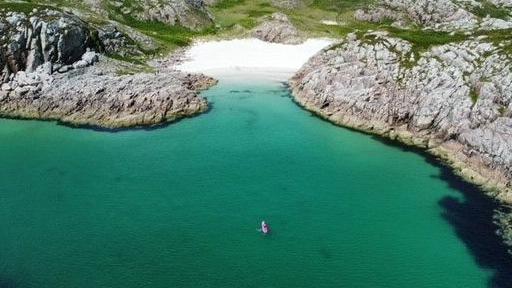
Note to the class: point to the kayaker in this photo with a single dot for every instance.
(265, 229)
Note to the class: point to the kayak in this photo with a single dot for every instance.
(264, 228)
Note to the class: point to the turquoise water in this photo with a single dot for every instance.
(180, 206)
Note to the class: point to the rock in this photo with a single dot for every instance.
(503, 219)
(362, 84)
(287, 4)
(455, 101)
(95, 98)
(20, 91)
(441, 15)
(188, 13)
(48, 36)
(96, 6)
(6, 87)
(90, 57)
(489, 23)
(65, 68)
(277, 29)
(115, 40)
(377, 15)
(502, 3)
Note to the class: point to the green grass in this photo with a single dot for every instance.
(169, 37)
(21, 7)
(230, 15)
(225, 4)
(27, 5)
(308, 20)
(501, 39)
(423, 40)
(502, 110)
(474, 94)
(341, 6)
(487, 8)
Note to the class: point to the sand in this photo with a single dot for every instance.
(249, 58)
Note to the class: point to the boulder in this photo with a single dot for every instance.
(277, 29)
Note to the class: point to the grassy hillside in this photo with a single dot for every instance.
(235, 18)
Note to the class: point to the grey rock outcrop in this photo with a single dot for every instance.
(114, 41)
(441, 15)
(48, 36)
(93, 96)
(188, 13)
(455, 100)
(48, 71)
(277, 29)
(489, 23)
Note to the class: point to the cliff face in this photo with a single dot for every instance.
(46, 36)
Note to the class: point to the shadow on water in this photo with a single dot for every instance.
(471, 219)
(96, 128)
(8, 283)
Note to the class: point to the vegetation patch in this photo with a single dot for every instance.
(237, 17)
(341, 5)
(489, 9)
(423, 40)
(502, 110)
(474, 94)
(22, 7)
(170, 37)
(502, 39)
(225, 4)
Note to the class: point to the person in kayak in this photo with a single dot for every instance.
(265, 229)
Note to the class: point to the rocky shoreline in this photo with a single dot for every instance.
(471, 168)
(49, 71)
(364, 83)
(110, 101)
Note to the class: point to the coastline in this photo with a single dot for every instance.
(98, 97)
(473, 170)
(270, 63)
(491, 182)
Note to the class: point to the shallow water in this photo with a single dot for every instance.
(180, 206)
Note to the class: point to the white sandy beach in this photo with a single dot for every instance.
(249, 58)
